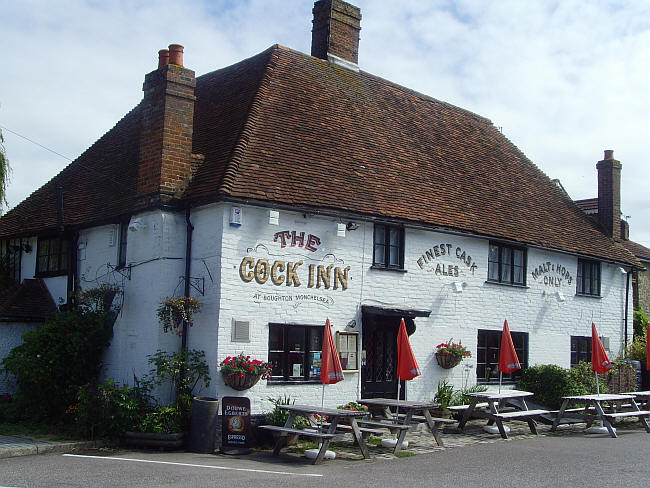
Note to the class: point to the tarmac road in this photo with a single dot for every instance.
(546, 461)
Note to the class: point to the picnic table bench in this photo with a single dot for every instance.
(594, 410)
(334, 416)
(495, 401)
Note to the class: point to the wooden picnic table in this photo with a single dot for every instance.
(495, 402)
(596, 404)
(325, 435)
(642, 398)
(402, 423)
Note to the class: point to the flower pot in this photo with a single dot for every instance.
(241, 382)
(447, 361)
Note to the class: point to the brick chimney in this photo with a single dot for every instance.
(609, 194)
(336, 30)
(167, 125)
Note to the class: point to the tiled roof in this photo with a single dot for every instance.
(292, 130)
(588, 205)
(641, 252)
(29, 301)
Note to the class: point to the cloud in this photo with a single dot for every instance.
(564, 79)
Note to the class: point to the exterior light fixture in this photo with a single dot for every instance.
(352, 226)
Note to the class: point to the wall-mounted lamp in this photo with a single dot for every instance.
(27, 247)
(352, 226)
(137, 225)
(274, 217)
(560, 296)
(340, 230)
(622, 270)
(458, 286)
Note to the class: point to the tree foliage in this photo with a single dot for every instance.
(5, 171)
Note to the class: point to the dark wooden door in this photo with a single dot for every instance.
(379, 341)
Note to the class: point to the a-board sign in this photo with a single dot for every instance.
(235, 424)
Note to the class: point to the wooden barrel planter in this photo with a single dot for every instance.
(447, 361)
(241, 382)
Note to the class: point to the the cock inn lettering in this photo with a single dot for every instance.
(289, 273)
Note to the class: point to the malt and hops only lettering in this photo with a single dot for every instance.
(288, 273)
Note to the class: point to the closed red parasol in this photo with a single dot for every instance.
(407, 366)
(508, 360)
(600, 363)
(330, 366)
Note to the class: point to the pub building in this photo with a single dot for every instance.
(291, 188)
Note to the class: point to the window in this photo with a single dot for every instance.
(121, 253)
(580, 349)
(11, 252)
(487, 355)
(295, 352)
(388, 247)
(52, 257)
(588, 282)
(507, 264)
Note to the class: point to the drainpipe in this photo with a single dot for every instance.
(627, 300)
(188, 257)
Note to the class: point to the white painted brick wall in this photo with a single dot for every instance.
(11, 337)
(157, 257)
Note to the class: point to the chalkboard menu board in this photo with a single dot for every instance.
(235, 425)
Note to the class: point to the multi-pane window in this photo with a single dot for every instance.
(580, 349)
(388, 246)
(121, 258)
(507, 264)
(487, 355)
(295, 352)
(10, 253)
(52, 256)
(588, 282)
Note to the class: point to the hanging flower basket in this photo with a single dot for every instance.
(242, 372)
(450, 354)
(241, 382)
(447, 361)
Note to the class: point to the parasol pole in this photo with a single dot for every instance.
(399, 384)
(500, 378)
(597, 383)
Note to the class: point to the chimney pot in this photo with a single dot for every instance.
(163, 58)
(609, 154)
(176, 54)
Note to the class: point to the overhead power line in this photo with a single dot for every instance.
(34, 142)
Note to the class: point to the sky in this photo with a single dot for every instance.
(564, 80)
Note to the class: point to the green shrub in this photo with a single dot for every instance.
(162, 420)
(55, 360)
(277, 416)
(584, 379)
(460, 396)
(107, 410)
(181, 372)
(548, 382)
(640, 321)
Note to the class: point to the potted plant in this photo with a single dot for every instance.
(444, 397)
(450, 354)
(173, 311)
(241, 372)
